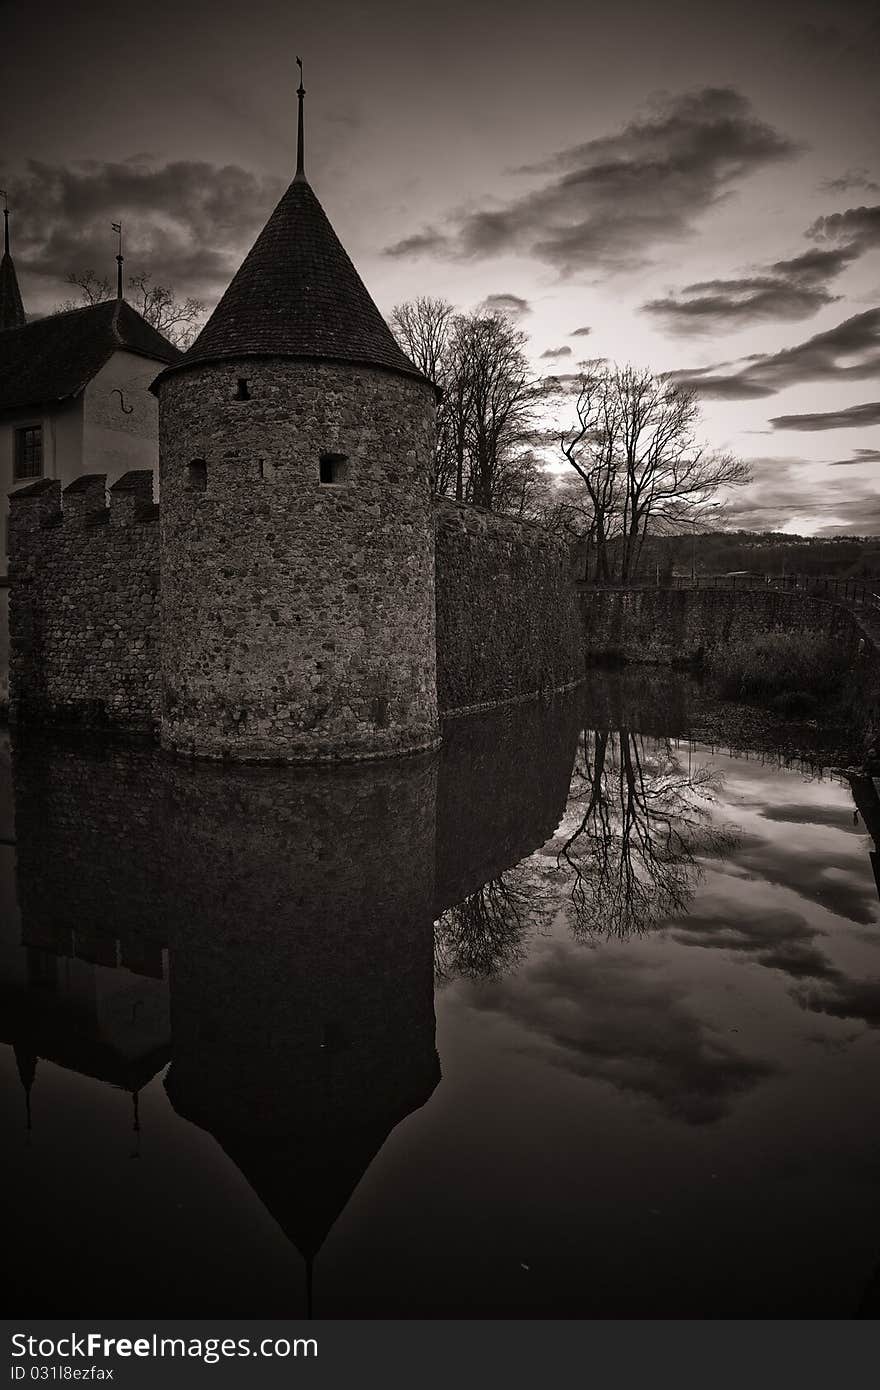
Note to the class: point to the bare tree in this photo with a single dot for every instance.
(178, 320)
(487, 405)
(422, 327)
(635, 451)
(91, 290)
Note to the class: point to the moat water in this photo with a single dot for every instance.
(580, 1017)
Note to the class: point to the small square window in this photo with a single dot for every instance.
(197, 475)
(28, 453)
(334, 468)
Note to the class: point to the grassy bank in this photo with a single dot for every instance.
(798, 675)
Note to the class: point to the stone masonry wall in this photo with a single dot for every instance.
(682, 625)
(297, 615)
(84, 611)
(508, 624)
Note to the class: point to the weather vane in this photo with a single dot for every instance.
(117, 227)
(300, 92)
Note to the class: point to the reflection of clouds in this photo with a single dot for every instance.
(611, 1017)
(803, 813)
(783, 940)
(843, 998)
(827, 876)
(780, 939)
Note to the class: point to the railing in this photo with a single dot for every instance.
(855, 593)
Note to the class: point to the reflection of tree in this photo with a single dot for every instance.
(643, 825)
(483, 935)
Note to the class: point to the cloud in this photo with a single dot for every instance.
(580, 332)
(785, 488)
(785, 290)
(557, 352)
(513, 305)
(608, 202)
(853, 178)
(849, 418)
(187, 222)
(607, 1017)
(849, 351)
(859, 456)
(860, 227)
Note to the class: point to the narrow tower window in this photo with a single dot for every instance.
(334, 468)
(242, 393)
(197, 475)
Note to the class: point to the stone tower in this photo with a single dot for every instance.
(296, 449)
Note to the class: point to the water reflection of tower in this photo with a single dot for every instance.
(301, 976)
(288, 914)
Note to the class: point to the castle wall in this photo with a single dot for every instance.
(84, 618)
(508, 624)
(676, 625)
(297, 616)
(4, 645)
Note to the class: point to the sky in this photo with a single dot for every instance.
(690, 187)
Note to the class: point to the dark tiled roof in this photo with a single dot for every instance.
(11, 307)
(55, 357)
(297, 294)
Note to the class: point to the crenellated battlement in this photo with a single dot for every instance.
(84, 622)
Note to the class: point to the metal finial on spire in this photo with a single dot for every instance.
(5, 197)
(117, 227)
(300, 92)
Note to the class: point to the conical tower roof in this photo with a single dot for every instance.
(297, 294)
(11, 307)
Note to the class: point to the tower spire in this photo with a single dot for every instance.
(300, 92)
(117, 227)
(11, 307)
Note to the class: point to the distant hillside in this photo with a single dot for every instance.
(765, 552)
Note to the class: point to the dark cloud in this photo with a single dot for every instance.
(608, 202)
(513, 305)
(782, 489)
(608, 1017)
(557, 352)
(852, 179)
(860, 227)
(849, 351)
(186, 222)
(859, 456)
(580, 332)
(849, 418)
(785, 290)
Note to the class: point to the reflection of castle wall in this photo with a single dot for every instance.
(503, 785)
